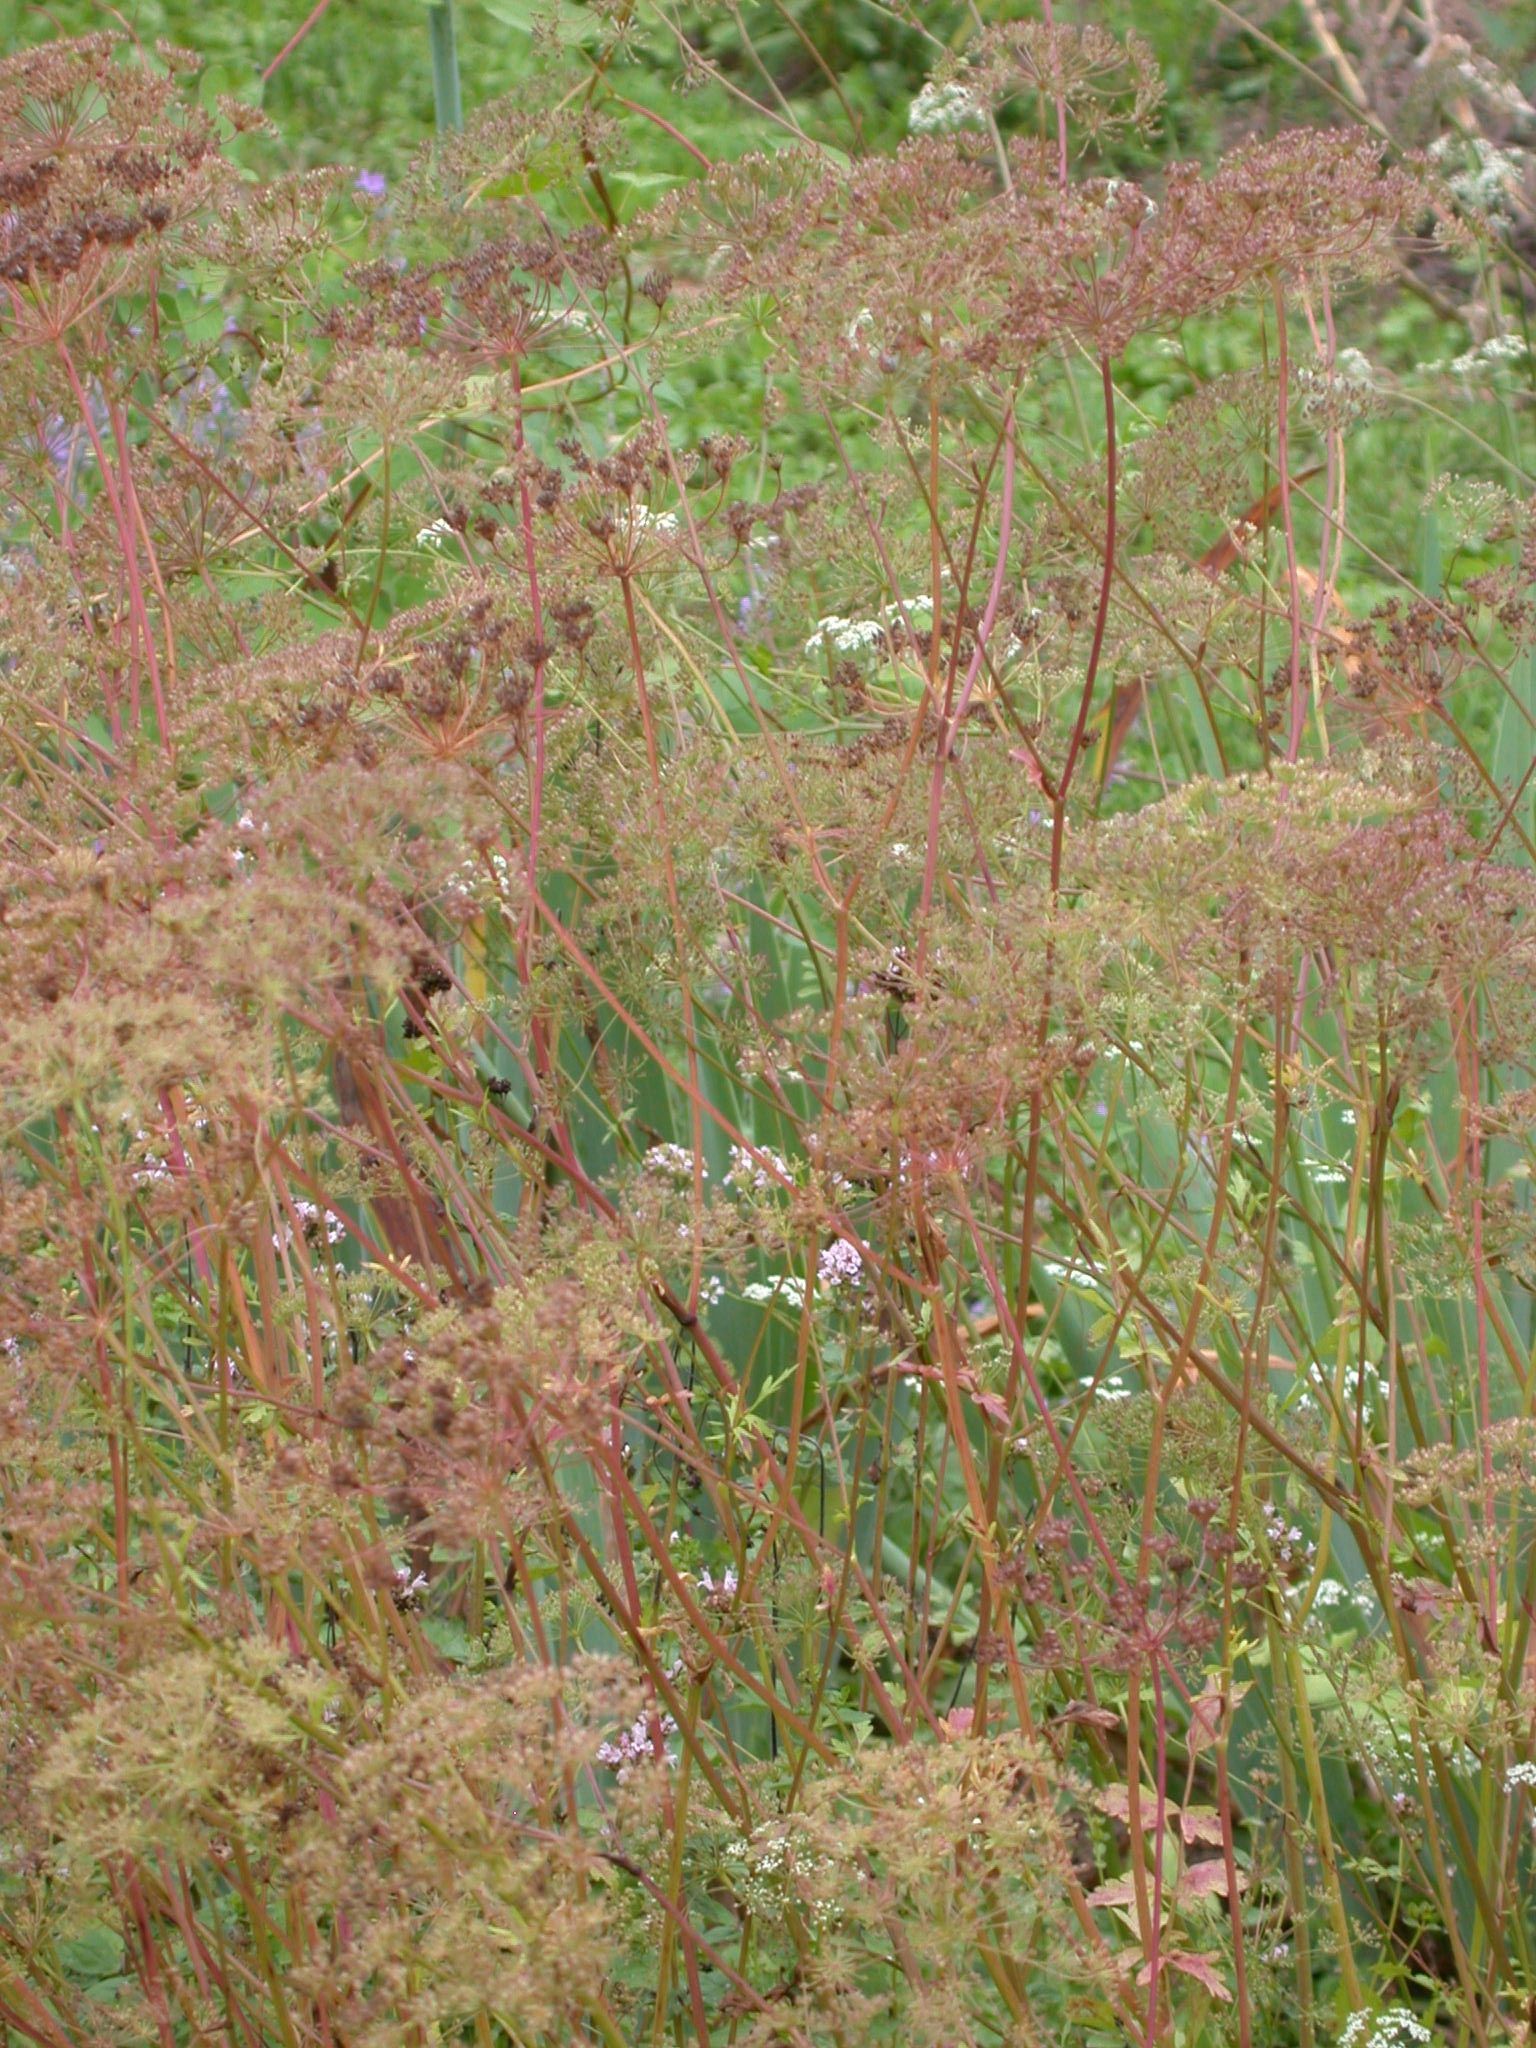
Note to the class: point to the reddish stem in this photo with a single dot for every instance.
(1283, 461)
(1101, 620)
(311, 20)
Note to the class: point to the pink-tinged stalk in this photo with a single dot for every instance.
(946, 746)
(1100, 622)
(1288, 517)
(1048, 14)
(999, 577)
(181, 1166)
(131, 506)
(1480, 1306)
(1154, 1952)
(1331, 552)
(140, 633)
(536, 606)
(312, 20)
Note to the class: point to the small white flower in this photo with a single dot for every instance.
(1486, 180)
(154, 1169)
(745, 1172)
(435, 535)
(786, 1287)
(845, 636)
(1518, 1775)
(1398, 2027)
(652, 525)
(674, 1161)
(939, 109)
(310, 1216)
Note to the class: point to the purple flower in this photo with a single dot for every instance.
(59, 440)
(840, 1265)
(636, 1745)
(371, 184)
(205, 410)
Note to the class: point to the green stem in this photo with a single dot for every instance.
(447, 97)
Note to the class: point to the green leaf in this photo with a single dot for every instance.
(448, 1637)
(570, 24)
(94, 1954)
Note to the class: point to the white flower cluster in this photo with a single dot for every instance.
(786, 1287)
(434, 536)
(766, 1857)
(1487, 178)
(1520, 1774)
(1111, 1389)
(1112, 188)
(635, 1746)
(1340, 395)
(650, 525)
(1397, 2027)
(154, 1167)
(1288, 1541)
(311, 1216)
(1360, 1384)
(940, 109)
(840, 1265)
(673, 1161)
(846, 636)
(718, 1592)
(241, 856)
(745, 1172)
(906, 1163)
(470, 876)
(1489, 354)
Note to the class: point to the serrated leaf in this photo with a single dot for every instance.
(1121, 1892)
(1198, 1967)
(1201, 1824)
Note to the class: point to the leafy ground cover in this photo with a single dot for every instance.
(766, 1246)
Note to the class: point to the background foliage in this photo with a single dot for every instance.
(765, 1226)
